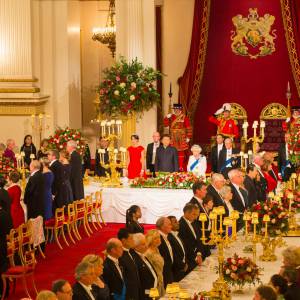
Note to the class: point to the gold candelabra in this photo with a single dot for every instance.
(256, 139)
(38, 122)
(112, 132)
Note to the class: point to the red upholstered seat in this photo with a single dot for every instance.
(18, 270)
(51, 223)
(80, 215)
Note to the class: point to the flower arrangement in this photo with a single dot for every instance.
(278, 224)
(6, 166)
(294, 145)
(168, 181)
(128, 87)
(238, 271)
(61, 136)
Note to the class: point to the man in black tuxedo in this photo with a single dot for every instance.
(285, 167)
(112, 272)
(191, 241)
(250, 184)
(62, 289)
(59, 185)
(131, 275)
(261, 182)
(228, 158)
(164, 227)
(84, 275)
(5, 201)
(151, 152)
(76, 171)
(99, 170)
(147, 274)
(35, 191)
(215, 152)
(180, 265)
(213, 189)
(166, 159)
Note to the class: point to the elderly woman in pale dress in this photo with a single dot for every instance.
(153, 255)
(226, 195)
(197, 162)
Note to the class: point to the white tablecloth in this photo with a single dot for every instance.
(154, 202)
(202, 278)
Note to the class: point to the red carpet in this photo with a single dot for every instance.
(61, 263)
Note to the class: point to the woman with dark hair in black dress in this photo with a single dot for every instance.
(28, 148)
(133, 214)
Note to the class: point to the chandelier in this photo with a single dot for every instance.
(107, 35)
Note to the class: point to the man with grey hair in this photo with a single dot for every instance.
(164, 226)
(261, 182)
(151, 152)
(34, 191)
(76, 171)
(112, 271)
(84, 275)
(9, 151)
(146, 271)
(213, 189)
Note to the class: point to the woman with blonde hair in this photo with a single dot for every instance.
(197, 162)
(153, 255)
(100, 288)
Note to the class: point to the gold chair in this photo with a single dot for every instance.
(70, 222)
(81, 216)
(98, 208)
(89, 212)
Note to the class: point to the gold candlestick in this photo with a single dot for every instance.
(256, 139)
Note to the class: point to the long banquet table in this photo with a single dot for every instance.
(154, 202)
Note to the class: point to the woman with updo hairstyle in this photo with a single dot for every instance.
(29, 148)
(291, 259)
(133, 214)
(135, 158)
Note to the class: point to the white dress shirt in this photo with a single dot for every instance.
(219, 148)
(52, 162)
(155, 146)
(33, 172)
(238, 190)
(88, 289)
(165, 237)
(116, 262)
(175, 234)
(200, 168)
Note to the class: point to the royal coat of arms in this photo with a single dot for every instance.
(253, 36)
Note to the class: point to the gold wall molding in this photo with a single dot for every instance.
(274, 111)
(238, 112)
(18, 79)
(20, 90)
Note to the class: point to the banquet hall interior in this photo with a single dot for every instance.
(149, 149)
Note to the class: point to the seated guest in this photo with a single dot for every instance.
(43, 149)
(293, 289)
(151, 152)
(213, 189)
(166, 159)
(99, 169)
(226, 194)
(147, 273)
(197, 162)
(28, 148)
(251, 185)
(164, 226)
(34, 191)
(99, 288)
(228, 158)
(112, 273)
(208, 203)
(187, 233)
(5, 201)
(153, 240)
(48, 181)
(280, 285)
(132, 280)
(62, 289)
(271, 182)
(133, 214)
(180, 262)
(9, 151)
(261, 180)
(265, 292)
(84, 275)
(14, 191)
(215, 153)
(46, 295)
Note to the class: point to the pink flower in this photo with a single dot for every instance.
(118, 78)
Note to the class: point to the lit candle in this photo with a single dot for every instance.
(246, 160)
(245, 126)
(254, 126)
(32, 156)
(266, 219)
(113, 123)
(203, 219)
(241, 157)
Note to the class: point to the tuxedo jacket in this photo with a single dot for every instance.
(215, 158)
(131, 276)
(250, 186)
(222, 159)
(168, 263)
(34, 195)
(79, 293)
(76, 176)
(5, 201)
(112, 277)
(282, 162)
(179, 262)
(292, 292)
(149, 156)
(197, 223)
(146, 278)
(237, 202)
(166, 159)
(217, 199)
(261, 186)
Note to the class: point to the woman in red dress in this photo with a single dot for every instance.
(135, 158)
(271, 182)
(14, 191)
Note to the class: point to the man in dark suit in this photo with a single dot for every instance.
(76, 171)
(250, 184)
(285, 167)
(62, 289)
(5, 201)
(112, 272)
(151, 152)
(34, 191)
(59, 185)
(164, 227)
(84, 275)
(147, 274)
(228, 158)
(261, 182)
(215, 152)
(166, 159)
(131, 275)
(213, 189)
(179, 253)
(187, 233)
(99, 170)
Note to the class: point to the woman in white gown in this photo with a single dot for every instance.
(197, 162)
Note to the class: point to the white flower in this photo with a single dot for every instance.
(233, 261)
(122, 85)
(170, 179)
(227, 271)
(273, 221)
(133, 84)
(132, 97)
(61, 146)
(265, 207)
(249, 269)
(180, 184)
(116, 92)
